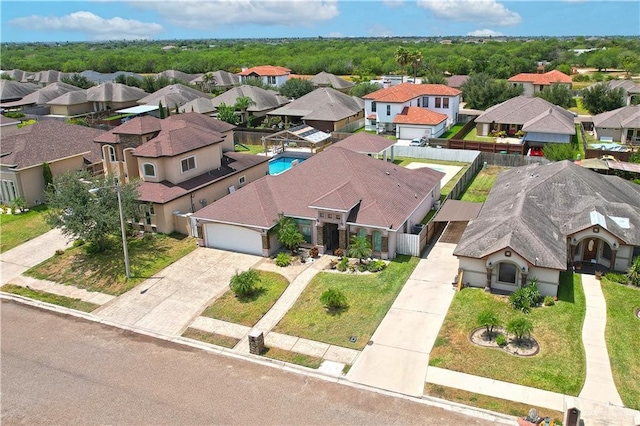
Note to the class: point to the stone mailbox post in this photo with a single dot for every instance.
(256, 341)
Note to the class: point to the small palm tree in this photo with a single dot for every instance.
(359, 248)
(520, 327)
(634, 272)
(208, 80)
(243, 103)
(244, 284)
(288, 234)
(489, 320)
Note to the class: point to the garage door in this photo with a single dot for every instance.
(233, 238)
(412, 132)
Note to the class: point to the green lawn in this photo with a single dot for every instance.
(67, 302)
(213, 338)
(252, 149)
(369, 297)
(105, 272)
(473, 136)
(249, 311)
(558, 367)
(623, 336)
(578, 106)
(293, 357)
(481, 185)
(452, 131)
(373, 132)
(404, 161)
(18, 228)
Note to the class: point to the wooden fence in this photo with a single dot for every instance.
(414, 244)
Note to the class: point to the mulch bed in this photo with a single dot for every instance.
(527, 347)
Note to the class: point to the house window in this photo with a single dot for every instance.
(337, 217)
(330, 216)
(362, 232)
(507, 273)
(388, 109)
(271, 79)
(445, 102)
(321, 214)
(111, 152)
(188, 164)
(606, 251)
(8, 190)
(425, 102)
(242, 180)
(418, 102)
(438, 102)
(304, 226)
(149, 170)
(373, 107)
(377, 241)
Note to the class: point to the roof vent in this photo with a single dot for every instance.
(387, 173)
(398, 185)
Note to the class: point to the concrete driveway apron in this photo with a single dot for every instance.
(398, 358)
(170, 300)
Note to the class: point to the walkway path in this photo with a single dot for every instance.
(599, 385)
(63, 290)
(398, 358)
(17, 260)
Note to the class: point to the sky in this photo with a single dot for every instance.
(99, 20)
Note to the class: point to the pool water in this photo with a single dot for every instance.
(280, 164)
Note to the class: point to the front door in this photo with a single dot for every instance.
(589, 250)
(331, 238)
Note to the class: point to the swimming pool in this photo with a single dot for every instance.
(283, 163)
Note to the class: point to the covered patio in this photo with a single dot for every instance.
(302, 136)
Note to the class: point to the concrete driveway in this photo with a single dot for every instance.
(31, 253)
(399, 356)
(170, 300)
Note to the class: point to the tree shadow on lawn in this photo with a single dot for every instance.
(336, 312)
(253, 296)
(566, 292)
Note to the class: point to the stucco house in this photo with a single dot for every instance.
(620, 125)
(172, 96)
(325, 109)
(104, 97)
(383, 106)
(269, 74)
(216, 80)
(40, 97)
(331, 196)
(629, 87)
(536, 82)
(184, 162)
(541, 121)
(264, 100)
(65, 147)
(540, 220)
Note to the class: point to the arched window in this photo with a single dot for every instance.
(111, 153)
(362, 232)
(149, 169)
(507, 273)
(377, 241)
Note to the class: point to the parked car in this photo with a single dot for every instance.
(418, 142)
(535, 151)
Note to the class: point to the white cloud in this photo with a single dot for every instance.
(485, 12)
(485, 33)
(336, 35)
(208, 14)
(393, 3)
(95, 27)
(378, 30)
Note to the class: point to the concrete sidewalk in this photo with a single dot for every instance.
(63, 290)
(17, 260)
(170, 300)
(599, 385)
(398, 358)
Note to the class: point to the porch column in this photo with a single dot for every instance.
(523, 279)
(612, 266)
(572, 253)
(320, 234)
(342, 238)
(487, 285)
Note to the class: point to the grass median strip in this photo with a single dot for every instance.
(213, 338)
(22, 227)
(622, 336)
(105, 272)
(481, 185)
(369, 297)
(488, 402)
(248, 311)
(292, 357)
(55, 299)
(558, 367)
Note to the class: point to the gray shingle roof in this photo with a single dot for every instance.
(12, 90)
(172, 95)
(49, 141)
(264, 99)
(199, 105)
(222, 79)
(44, 95)
(336, 178)
(99, 77)
(70, 98)
(625, 117)
(178, 75)
(364, 143)
(325, 79)
(532, 209)
(323, 104)
(114, 92)
(521, 109)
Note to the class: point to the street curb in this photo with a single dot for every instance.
(479, 413)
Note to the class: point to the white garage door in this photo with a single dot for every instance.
(233, 238)
(412, 132)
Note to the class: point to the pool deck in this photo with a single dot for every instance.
(449, 171)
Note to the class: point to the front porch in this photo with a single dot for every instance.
(589, 268)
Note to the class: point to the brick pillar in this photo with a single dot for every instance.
(320, 234)
(265, 242)
(342, 239)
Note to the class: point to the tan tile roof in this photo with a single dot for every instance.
(336, 178)
(406, 91)
(545, 79)
(417, 115)
(266, 70)
(48, 141)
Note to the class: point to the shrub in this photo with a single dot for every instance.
(520, 328)
(334, 299)
(244, 284)
(79, 242)
(616, 277)
(533, 294)
(342, 265)
(519, 300)
(580, 77)
(376, 265)
(18, 204)
(313, 252)
(501, 340)
(59, 252)
(548, 301)
(634, 272)
(283, 260)
(338, 252)
(362, 267)
(489, 320)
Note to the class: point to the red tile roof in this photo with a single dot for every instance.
(545, 79)
(336, 179)
(266, 70)
(417, 115)
(406, 91)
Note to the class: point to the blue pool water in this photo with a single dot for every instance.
(280, 164)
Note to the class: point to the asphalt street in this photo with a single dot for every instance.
(57, 369)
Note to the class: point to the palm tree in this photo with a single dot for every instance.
(243, 103)
(360, 247)
(208, 81)
(402, 57)
(520, 328)
(415, 58)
